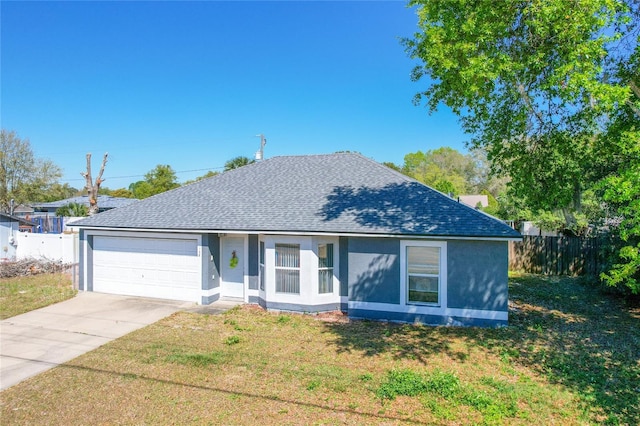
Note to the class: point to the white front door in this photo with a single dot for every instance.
(232, 267)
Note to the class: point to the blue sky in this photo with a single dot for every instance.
(191, 84)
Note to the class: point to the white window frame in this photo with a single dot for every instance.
(262, 255)
(326, 268)
(298, 268)
(442, 278)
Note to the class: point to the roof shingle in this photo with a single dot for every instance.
(341, 193)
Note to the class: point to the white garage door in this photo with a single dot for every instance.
(164, 268)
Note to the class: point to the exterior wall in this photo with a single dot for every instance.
(477, 275)
(82, 262)
(85, 261)
(368, 277)
(472, 284)
(252, 259)
(210, 275)
(297, 307)
(374, 270)
(343, 260)
(8, 231)
(214, 265)
(309, 299)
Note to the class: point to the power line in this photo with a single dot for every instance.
(135, 176)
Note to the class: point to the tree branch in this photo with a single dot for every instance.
(92, 189)
(635, 89)
(99, 179)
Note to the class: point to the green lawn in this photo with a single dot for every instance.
(23, 294)
(569, 356)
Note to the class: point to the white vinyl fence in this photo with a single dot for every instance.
(62, 247)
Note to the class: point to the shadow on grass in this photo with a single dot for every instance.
(568, 332)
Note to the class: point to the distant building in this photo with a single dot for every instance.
(105, 202)
(474, 200)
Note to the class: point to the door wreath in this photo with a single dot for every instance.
(234, 260)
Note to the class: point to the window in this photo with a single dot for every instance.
(288, 268)
(262, 265)
(325, 268)
(423, 274)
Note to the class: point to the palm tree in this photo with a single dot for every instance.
(72, 210)
(236, 162)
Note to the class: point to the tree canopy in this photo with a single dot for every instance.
(448, 170)
(549, 88)
(209, 174)
(236, 162)
(162, 178)
(23, 177)
(72, 210)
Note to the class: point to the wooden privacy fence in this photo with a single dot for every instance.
(558, 255)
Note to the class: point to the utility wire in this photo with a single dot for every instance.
(134, 176)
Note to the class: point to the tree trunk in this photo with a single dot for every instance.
(91, 187)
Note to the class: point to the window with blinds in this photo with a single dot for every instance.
(287, 268)
(423, 274)
(325, 268)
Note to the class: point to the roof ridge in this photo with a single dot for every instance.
(313, 155)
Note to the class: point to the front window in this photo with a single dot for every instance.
(262, 265)
(288, 268)
(325, 268)
(423, 274)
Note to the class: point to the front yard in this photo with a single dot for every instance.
(26, 293)
(569, 356)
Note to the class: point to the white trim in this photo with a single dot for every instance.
(331, 296)
(442, 281)
(430, 310)
(308, 270)
(136, 234)
(245, 267)
(304, 233)
(211, 292)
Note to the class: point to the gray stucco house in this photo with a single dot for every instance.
(307, 233)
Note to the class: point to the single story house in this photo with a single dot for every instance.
(9, 227)
(307, 233)
(105, 202)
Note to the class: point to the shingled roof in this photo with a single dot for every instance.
(105, 202)
(342, 193)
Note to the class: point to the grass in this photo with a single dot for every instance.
(570, 356)
(23, 294)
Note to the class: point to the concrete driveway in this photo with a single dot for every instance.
(42, 339)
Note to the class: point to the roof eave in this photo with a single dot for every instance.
(302, 233)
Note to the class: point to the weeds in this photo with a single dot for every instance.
(196, 359)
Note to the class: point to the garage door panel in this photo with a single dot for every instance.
(150, 267)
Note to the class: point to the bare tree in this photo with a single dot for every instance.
(91, 187)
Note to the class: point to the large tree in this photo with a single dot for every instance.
(621, 190)
(531, 81)
(537, 83)
(236, 162)
(23, 177)
(448, 170)
(444, 169)
(162, 178)
(93, 187)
